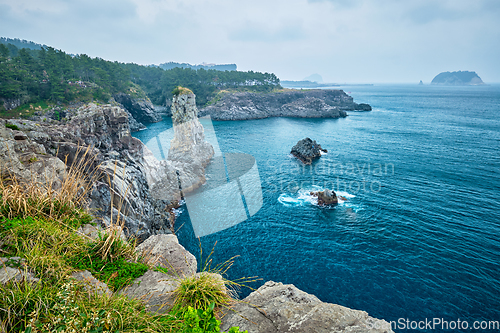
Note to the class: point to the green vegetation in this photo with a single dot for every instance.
(12, 126)
(52, 76)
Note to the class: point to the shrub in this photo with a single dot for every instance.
(12, 126)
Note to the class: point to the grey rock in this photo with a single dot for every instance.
(14, 262)
(165, 251)
(307, 150)
(314, 103)
(155, 289)
(90, 230)
(15, 268)
(91, 283)
(141, 109)
(326, 197)
(278, 308)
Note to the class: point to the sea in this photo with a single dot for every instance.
(415, 239)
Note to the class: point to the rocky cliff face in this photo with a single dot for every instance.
(316, 103)
(139, 110)
(130, 176)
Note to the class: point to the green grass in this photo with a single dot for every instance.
(25, 110)
(115, 273)
(12, 126)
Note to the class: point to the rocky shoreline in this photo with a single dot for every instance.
(314, 103)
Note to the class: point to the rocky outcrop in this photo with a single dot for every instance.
(188, 144)
(307, 150)
(141, 110)
(326, 197)
(165, 251)
(11, 103)
(315, 103)
(279, 308)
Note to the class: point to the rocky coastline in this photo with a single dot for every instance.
(314, 103)
(129, 174)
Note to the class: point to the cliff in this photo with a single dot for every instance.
(316, 103)
(140, 110)
(129, 175)
(459, 78)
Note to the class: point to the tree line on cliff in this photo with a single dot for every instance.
(52, 75)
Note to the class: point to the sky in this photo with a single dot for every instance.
(345, 41)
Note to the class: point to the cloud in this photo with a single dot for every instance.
(253, 32)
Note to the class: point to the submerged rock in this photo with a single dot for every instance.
(276, 308)
(307, 150)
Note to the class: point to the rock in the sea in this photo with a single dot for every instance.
(165, 251)
(313, 103)
(277, 308)
(326, 197)
(307, 150)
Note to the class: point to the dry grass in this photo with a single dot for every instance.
(20, 198)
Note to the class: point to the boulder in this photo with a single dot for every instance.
(15, 269)
(307, 150)
(90, 283)
(277, 308)
(165, 251)
(155, 289)
(90, 231)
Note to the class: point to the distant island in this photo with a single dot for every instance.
(459, 78)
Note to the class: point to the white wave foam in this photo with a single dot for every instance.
(303, 197)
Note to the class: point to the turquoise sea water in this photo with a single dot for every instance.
(419, 234)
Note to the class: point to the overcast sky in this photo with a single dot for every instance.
(354, 41)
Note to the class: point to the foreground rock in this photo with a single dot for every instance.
(155, 289)
(165, 251)
(307, 150)
(326, 197)
(90, 283)
(15, 269)
(278, 308)
(315, 103)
